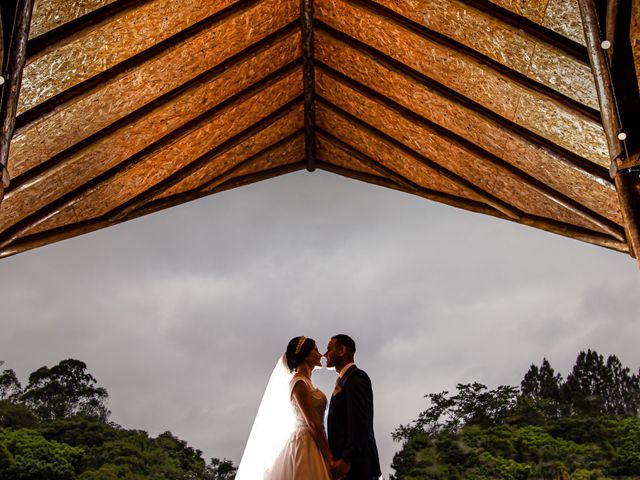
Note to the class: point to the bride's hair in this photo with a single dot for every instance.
(297, 350)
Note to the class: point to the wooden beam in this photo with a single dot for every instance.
(497, 203)
(124, 210)
(624, 180)
(388, 178)
(69, 231)
(560, 153)
(513, 75)
(542, 34)
(545, 224)
(307, 26)
(505, 167)
(14, 57)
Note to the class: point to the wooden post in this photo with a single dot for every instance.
(306, 19)
(14, 56)
(626, 180)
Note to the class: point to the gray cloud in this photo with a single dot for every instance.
(181, 315)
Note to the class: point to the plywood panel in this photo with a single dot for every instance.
(470, 78)
(87, 163)
(287, 154)
(563, 17)
(465, 163)
(89, 53)
(391, 157)
(50, 14)
(108, 103)
(283, 127)
(161, 163)
(329, 153)
(503, 43)
(531, 9)
(547, 166)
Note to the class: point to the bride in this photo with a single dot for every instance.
(288, 440)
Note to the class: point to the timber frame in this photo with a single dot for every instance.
(113, 109)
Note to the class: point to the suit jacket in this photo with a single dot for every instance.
(350, 425)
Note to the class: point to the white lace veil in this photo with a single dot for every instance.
(271, 429)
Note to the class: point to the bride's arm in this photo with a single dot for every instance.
(302, 395)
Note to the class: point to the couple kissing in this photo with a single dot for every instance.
(288, 440)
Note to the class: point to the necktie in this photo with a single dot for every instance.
(337, 388)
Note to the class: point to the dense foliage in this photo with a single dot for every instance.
(584, 427)
(57, 428)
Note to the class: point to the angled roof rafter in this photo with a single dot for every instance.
(478, 104)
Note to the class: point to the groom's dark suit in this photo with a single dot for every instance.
(350, 425)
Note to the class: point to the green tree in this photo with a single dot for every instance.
(65, 390)
(221, 469)
(10, 387)
(26, 455)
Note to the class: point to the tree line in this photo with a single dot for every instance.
(57, 428)
(582, 427)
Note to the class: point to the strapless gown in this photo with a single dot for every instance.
(301, 458)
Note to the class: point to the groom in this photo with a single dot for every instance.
(350, 422)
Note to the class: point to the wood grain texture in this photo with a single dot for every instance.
(593, 191)
(89, 53)
(388, 155)
(503, 43)
(558, 228)
(471, 78)
(563, 16)
(281, 128)
(634, 35)
(110, 102)
(465, 163)
(130, 139)
(50, 14)
(157, 164)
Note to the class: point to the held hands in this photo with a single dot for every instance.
(339, 469)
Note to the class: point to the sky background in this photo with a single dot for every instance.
(181, 315)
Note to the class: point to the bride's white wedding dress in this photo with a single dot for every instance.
(280, 445)
(301, 458)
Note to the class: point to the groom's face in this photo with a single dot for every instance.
(333, 353)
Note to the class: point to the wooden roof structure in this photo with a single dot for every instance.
(113, 109)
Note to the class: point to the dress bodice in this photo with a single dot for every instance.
(318, 398)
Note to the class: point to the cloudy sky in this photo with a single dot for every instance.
(181, 315)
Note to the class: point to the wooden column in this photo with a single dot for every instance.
(306, 19)
(634, 37)
(626, 176)
(14, 55)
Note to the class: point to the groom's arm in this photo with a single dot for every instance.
(358, 405)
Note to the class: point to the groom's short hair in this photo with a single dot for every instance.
(346, 341)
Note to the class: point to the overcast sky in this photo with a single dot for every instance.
(181, 315)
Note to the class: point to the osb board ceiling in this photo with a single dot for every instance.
(127, 107)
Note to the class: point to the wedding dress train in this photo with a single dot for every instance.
(280, 445)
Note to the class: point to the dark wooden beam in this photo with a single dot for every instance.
(537, 141)
(551, 226)
(542, 34)
(488, 198)
(71, 197)
(389, 15)
(627, 181)
(45, 238)
(135, 61)
(388, 178)
(14, 55)
(308, 73)
(131, 118)
(124, 210)
(509, 170)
